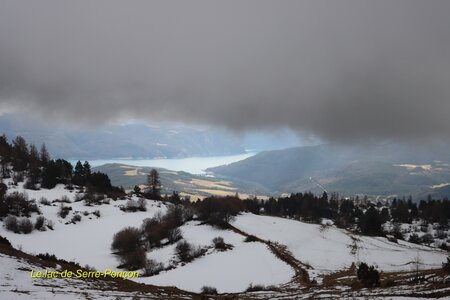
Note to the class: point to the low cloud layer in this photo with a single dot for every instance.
(334, 69)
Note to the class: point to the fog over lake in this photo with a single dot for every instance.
(194, 165)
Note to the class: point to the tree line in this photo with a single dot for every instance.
(366, 215)
(19, 159)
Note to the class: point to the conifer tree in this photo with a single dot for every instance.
(154, 185)
(43, 154)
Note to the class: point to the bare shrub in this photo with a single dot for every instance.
(65, 199)
(76, 218)
(255, 288)
(17, 204)
(126, 240)
(39, 225)
(44, 201)
(427, 239)
(30, 185)
(152, 267)
(96, 213)
(209, 290)
(134, 260)
(174, 235)
(99, 197)
(135, 205)
(25, 226)
(368, 275)
(11, 224)
(175, 215)
(153, 231)
(197, 252)
(219, 211)
(183, 251)
(251, 238)
(64, 211)
(220, 245)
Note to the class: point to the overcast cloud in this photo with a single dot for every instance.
(335, 69)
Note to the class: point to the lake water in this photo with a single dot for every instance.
(193, 165)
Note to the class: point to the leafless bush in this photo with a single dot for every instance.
(208, 290)
(11, 224)
(76, 218)
(255, 288)
(174, 235)
(152, 267)
(64, 211)
(17, 204)
(126, 240)
(186, 252)
(219, 244)
(44, 201)
(25, 226)
(251, 238)
(65, 199)
(197, 252)
(39, 225)
(134, 260)
(183, 251)
(135, 205)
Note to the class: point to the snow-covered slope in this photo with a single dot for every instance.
(327, 248)
(230, 271)
(88, 243)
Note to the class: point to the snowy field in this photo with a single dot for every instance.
(324, 248)
(229, 271)
(88, 243)
(328, 249)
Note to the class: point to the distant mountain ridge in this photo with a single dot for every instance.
(384, 169)
(120, 141)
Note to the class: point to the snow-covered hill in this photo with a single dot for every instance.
(89, 243)
(329, 249)
(320, 249)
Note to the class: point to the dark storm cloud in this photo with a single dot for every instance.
(329, 68)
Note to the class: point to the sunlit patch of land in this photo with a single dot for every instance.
(438, 186)
(222, 185)
(412, 167)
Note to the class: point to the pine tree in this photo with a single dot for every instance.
(86, 170)
(20, 153)
(154, 185)
(78, 174)
(44, 156)
(34, 169)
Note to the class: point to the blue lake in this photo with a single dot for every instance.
(194, 165)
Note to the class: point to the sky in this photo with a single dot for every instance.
(334, 70)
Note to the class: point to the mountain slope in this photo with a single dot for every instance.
(383, 169)
(189, 184)
(114, 141)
